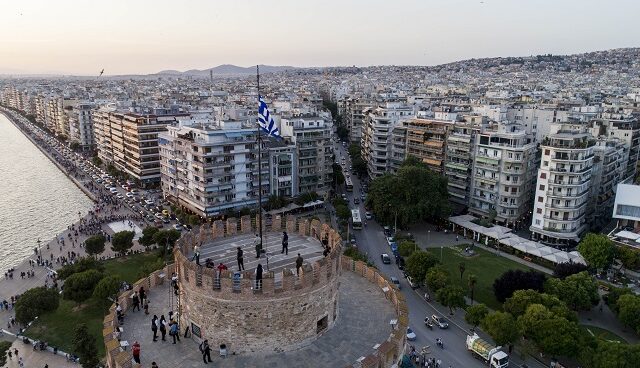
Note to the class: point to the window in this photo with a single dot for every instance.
(543, 175)
(537, 222)
(540, 199)
(546, 152)
(546, 163)
(539, 210)
(541, 187)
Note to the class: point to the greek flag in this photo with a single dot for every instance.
(265, 120)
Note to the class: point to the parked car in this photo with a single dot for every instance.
(368, 216)
(177, 227)
(412, 284)
(385, 258)
(395, 281)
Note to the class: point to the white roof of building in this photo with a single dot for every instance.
(628, 195)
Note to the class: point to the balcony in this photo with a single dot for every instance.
(551, 193)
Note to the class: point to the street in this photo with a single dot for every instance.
(371, 241)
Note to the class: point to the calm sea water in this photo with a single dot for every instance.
(36, 199)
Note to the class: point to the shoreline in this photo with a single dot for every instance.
(75, 181)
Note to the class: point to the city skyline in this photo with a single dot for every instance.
(38, 37)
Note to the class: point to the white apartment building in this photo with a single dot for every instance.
(211, 169)
(460, 145)
(81, 124)
(377, 140)
(504, 161)
(312, 138)
(563, 185)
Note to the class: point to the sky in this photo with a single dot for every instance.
(82, 37)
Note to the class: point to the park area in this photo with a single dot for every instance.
(485, 265)
(57, 327)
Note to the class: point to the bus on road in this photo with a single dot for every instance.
(356, 221)
(348, 184)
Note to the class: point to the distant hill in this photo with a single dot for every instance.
(227, 69)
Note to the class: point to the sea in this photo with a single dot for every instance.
(37, 201)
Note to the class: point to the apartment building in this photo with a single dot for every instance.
(426, 140)
(129, 141)
(354, 117)
(213, 168)
(607, 158)
(458, 164)
(80, 121)
(626, 130)
(563, 185)
(311, 136)
(504, 161)
(377, 140)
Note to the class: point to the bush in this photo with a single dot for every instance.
(83, 264)
(80, 286)
(107, 288)
(512, 280)
(34, 302)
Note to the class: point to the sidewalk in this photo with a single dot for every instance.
(36, 359)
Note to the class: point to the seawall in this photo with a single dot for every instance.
(48, 155)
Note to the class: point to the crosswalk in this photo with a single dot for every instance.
(224, 251)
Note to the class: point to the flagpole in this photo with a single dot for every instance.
(259, 166)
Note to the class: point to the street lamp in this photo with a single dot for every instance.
(441, 249)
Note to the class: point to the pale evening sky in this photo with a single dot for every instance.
(146, 36)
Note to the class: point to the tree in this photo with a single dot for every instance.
(147, 238)
(501, 326)
(461, 267)
(475, 314)
(415, 193)
(338, 176)
(437, 278)
(4, 347)
(33, 302)
(614, 295)
(359, 166)
(597, 250)
(580, 290)
(629, 311)
(122, 241)
(472, 281)
(166, 239)
(85, 346)
(565, 269)
(343, 212)
(79, 286)
(94, 245)
(630, 258)
(552, 334)
(451, 296)
(512, 280)
(82, 264)
(521, 300)
(107, 289)
(611, 354)
(406, 248)
(418, 263)
(275, 202)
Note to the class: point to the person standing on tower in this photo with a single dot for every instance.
(285, 243)
(240, 259)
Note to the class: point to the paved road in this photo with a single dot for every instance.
(371, 240)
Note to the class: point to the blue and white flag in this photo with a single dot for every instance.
(265, 120)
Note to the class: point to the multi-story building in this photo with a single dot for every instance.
(426, 140)
(503, 165)
(213, 168)
(354, 118)
(81, 124)
(312, 138)
(607, 155)
(625, 129)
(459, 161)
(563, 185)
(129, 141)
(377, 140)
(283, 169)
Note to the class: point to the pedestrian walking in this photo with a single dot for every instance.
(154, 327)
(163, 327)
(136, 302)
(135, 350)
(205, 349)
(196, 254)
(146, 306)
(240, 259)
(154, 365)
(259, 277)
(285, 243)
(174, 331)
(258, 245)
(10, 354)
(299, 261)
(143, 294)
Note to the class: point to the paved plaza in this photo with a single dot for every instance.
(224, 250)
(36, 359)
(363, 321)
(118, 226)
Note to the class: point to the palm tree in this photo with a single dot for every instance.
(461, 267)
(472, 284)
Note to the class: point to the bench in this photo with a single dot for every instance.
(528, 259)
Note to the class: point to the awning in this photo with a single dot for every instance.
(627, 235)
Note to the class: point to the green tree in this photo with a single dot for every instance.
(147, 238)
(338, 176)
(79, 286)
(471, 282)
(33, 302)
(598, 250)
(83, 264)
(107, 289)
(559, 337)
(406, 248)
(359, 166)
(611, 354)
(122, 241)
(521, 300)
(475, 314)
(166, 239)
(580, 290)
(86, 347)
(343, 212)
(451, 296)
(629, 311)
(96, 161)
(501, 326)
(194, 220)
(630, 258)
(275, 202)
(418, 263)
(461, 268)
(94, 245)
(4, 347)
(437, 277)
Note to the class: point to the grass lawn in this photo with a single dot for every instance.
(485, 265)
(57, 328)
(603, 334)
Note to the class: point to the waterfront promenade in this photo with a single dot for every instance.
(107, 209)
